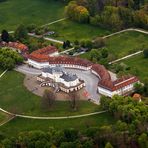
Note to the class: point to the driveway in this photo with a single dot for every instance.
(25, 69)
(91, 82)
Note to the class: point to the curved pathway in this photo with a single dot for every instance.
(125, 30)
(52, 118)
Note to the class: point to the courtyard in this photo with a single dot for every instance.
(90, 79)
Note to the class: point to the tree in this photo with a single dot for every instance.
(64, 45)
(70, 134)
(138, 88)
(104, 101)
(67, 43)
(100, 5)
(145, 52)
(5, 36)
(104, 53)
(21, 33)
(142, 140)
(9, 58)
(108, 145)
(74, 97)
(9, 63)
(48, 99)
(98, 42)
(77, 12)
(31, 28)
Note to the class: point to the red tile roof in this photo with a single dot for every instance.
(42, 55)
(119, 83)
(46, 50)
(16, 45)
(38, 57)
(69, 60)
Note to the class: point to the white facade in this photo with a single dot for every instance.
(38, 65)
(122, 91)
(71, 83)
(71, 66)
(57, 78)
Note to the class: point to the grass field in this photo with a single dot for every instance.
(139, 65)
(40, 12)
(17, 125)
(16, 98)
(68, 30)
(126, 43)
(123, 44)
(3, 117)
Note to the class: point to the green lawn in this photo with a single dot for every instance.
(68, 30)
(15, 12)
(16, 98)
(138, 65)
(17, 125)
(124, 43)
(3, 117)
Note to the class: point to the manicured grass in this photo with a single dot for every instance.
(40, 12)
(124, 43)
(86, 55)
(17, 125)
(3, 117)
(16, 98)
(68, 30)
(138, 65)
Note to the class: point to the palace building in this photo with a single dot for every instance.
(56, 77)
(47, 57)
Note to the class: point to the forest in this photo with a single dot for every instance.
(111, 14)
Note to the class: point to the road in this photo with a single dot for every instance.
(91, 82)
(25, 69)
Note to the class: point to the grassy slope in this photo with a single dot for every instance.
(17, 125)
(3, 117)
(16, 98)
(14, 12)
(139, 63)
(122, 44)
(68, 30)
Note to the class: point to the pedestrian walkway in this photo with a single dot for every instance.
(52, 118)
(125, 30)
(128, 56)
(54, 22)
(46, 38)
(3, 73)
